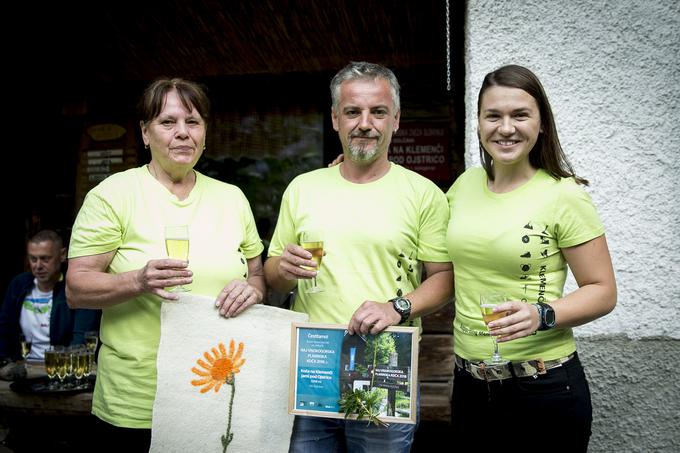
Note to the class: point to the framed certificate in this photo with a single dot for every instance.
(327, 363)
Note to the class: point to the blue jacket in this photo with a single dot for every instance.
(67, 326)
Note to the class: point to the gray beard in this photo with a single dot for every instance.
(359, 154)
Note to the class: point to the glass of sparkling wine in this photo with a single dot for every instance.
(312, 241)
(25, 344)
(177, 246)
(487, 302)
(91, 340)
(51, 354)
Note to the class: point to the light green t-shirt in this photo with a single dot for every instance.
(511, 243)
(376, 236)
(127, 213)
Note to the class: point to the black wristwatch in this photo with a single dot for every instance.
(403, 306)
(546, 316)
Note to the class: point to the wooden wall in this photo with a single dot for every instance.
(435, 366)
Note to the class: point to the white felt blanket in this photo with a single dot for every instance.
(190, 358)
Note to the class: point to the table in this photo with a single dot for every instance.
(43, 403)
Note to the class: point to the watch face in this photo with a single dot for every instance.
(549, 316)
(402, 304)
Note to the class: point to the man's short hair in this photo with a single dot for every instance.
(47, 235)
(361, 70)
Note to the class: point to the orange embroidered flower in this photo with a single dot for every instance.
(219, 368)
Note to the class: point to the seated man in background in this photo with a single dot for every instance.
(35, 307)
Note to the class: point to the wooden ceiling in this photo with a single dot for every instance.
(113, 41)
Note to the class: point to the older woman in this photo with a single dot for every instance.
(118, 257)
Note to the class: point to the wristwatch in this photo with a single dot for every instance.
(546, 316)
(403, 306)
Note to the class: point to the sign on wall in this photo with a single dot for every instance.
(424, 148)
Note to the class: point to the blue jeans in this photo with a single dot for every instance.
(552, 411)
(333, 435)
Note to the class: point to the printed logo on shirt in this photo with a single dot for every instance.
(474, 332)
(538, 243)
(40, 305)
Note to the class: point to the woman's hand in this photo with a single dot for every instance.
(236, 297)
(337, 161)
(521, 321)
(157, 275)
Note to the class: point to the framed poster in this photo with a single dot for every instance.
(327, 364)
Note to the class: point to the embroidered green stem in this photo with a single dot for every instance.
(226, 438)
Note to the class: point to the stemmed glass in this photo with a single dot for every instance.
(25, 343)
(63, 365)
(91, 342)
(487, 303)
(51, 359)
(177, 246)
(312, 241)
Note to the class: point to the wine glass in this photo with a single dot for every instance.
(91, 340)
(487, 303)
(63, 365)
(51, 357)
(177, 246)
(25, 343)
(312, 241)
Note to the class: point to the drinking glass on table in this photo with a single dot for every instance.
(312, 241)
(91, 340)
(80, 363)
(25, 343)
(51, 365)
(487, 303)
(177, 247)
(63, 365)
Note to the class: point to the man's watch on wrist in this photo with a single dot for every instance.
(546, 316)
(402, 306)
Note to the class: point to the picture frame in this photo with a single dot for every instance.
(327, 362)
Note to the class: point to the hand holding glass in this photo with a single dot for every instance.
(313, 243)
(487, 302)
(177, 246)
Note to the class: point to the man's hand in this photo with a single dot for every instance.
(373, 317)
(292, 259)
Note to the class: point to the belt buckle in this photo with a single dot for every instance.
(490, 372)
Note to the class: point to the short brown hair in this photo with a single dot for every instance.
(191, 94)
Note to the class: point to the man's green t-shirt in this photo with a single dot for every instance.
(375, 235)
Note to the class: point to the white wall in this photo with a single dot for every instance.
(611, 70)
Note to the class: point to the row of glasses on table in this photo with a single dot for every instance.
(68, 367)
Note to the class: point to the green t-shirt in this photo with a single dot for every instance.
(511, 243)
(376, 236)
(127, 213)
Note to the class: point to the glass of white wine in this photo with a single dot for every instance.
(25, 343)
(487, 303)
(51, 354)
(312, 241)
(177, 246)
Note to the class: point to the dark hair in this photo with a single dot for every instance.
(361, 70)
(47, 235)
(191, 94)
(547, 152)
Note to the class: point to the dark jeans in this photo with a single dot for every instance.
(126, 440)
(552, 411)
